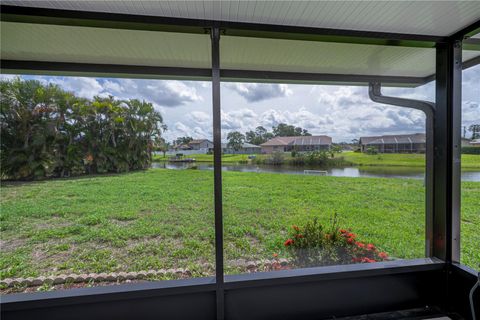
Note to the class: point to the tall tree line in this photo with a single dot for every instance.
(47, 131)
(261, 135)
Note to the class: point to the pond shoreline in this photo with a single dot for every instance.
(375, 171)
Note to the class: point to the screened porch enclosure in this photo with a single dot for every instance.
(367, 44)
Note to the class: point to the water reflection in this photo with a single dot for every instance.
(375, 172)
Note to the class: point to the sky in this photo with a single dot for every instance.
(342, 112)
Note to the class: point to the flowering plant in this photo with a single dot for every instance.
(315, 245)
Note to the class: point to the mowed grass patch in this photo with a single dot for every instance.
(130, 222)
(469, 161)
(470, 225)
(161, 219)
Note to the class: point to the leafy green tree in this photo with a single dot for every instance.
(183, 140)
(163, 146)
(29, 114)
(475, 130)
(47, 131)
(285, 130)
(334, 149)
(259, 136)
(235, 140)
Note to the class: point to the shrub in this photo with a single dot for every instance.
(372, 151)
(276, 158)
(317, 158)
(47, 131)
(314, 245)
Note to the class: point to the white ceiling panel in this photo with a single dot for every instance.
(23, 41)
(439, 18)
(41, 42)
(242, 53)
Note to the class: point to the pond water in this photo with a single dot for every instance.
(372, 171)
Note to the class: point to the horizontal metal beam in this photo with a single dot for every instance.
(102, 70)
(312, 78)
(330, 273)
(125, 71)
(466, 32)
(105, 296)
(471, 63)
(154, 23)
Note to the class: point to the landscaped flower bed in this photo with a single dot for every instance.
(314, 245)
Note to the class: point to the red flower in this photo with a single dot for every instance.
(383, 255)
(350, 241)
(288, 242)
(296, 228)
(360, 244)
(351, 235)
(370, 247)
(299, 236)
(343, 231)
(368, 260)
(275, 255)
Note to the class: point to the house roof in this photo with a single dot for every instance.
(394, 139)
(198, 141)
(298, 141)
(244, 145)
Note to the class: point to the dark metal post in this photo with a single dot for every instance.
(217, 167)
(375, 94)
(447, 142)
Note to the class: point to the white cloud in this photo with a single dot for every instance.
(165, 93)
(254, 92)
(83, 87)
(342, 112)
(200, 117)
(7, 76)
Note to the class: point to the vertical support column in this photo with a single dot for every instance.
(447, 145)
(217, 170)
(429, 181)
(375, 93)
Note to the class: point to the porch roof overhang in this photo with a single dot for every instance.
(395, 43)
(328, 43)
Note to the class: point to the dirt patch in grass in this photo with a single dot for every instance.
(12, 244)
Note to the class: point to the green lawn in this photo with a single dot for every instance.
(469, 161)
(160, 219)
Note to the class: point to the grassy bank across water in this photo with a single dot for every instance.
(160, 219)
(469, 161)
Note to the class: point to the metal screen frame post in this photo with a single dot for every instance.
(427, 107)
(447, 142)
(446, 219)
(217, 171)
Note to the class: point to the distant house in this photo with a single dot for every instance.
(402, 143)
(475, 143)
(466, 142)
(301, 144)
(199, 144)
(247, 148)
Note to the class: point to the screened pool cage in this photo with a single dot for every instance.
(370, 44)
